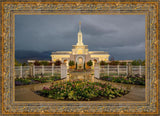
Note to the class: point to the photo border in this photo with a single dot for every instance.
(10, 9)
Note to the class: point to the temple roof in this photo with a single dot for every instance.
(98, 52)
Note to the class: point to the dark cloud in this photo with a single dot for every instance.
(98, 30)
(123, 36)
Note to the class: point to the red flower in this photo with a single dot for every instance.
(45, 88)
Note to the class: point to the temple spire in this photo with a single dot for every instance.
(79, 26)
(80, 40)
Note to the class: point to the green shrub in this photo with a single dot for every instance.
(114, 63)
(71, 63)
(138, 62)
(45, 63)
(103, 62)
(37, 63)
(17, 63)
(122, 63)
(57, 63)
(90, 63)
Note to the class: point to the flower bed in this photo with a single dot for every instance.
(22, 81)
(81, 90)
(32, 80)
(136, 79)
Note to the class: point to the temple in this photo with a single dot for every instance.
(80, 54)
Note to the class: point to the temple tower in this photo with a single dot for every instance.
(80, 39)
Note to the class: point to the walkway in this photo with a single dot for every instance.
(26, 92)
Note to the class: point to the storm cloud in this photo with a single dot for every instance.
(123, 36)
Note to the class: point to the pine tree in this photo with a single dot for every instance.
(76, 65)
(84, 66)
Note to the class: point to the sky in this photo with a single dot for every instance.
(122, 36)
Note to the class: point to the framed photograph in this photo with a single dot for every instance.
(79, 57)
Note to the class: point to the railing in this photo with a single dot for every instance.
(117, 70)
(107, 70)
(25, 71)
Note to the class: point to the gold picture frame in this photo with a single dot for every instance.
(10, 9)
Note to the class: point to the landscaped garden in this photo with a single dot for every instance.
(132, 79)
(81, 90)
(35, 80)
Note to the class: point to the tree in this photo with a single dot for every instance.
(57, 63)
(37, 63)
(71, 63)
(17, 63)
(122, 63)
(84, 66)
(90, 63)
(112, 58)
(24, 64)
(76, 65)
(143, 63)
(114, 63)
(103, 63)
(45, 63)
(138, 62)
(134, 62)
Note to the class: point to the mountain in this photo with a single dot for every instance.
(24, 55)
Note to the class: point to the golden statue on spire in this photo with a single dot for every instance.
(79, 26)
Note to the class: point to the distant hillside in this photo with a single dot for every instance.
(23, 55)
